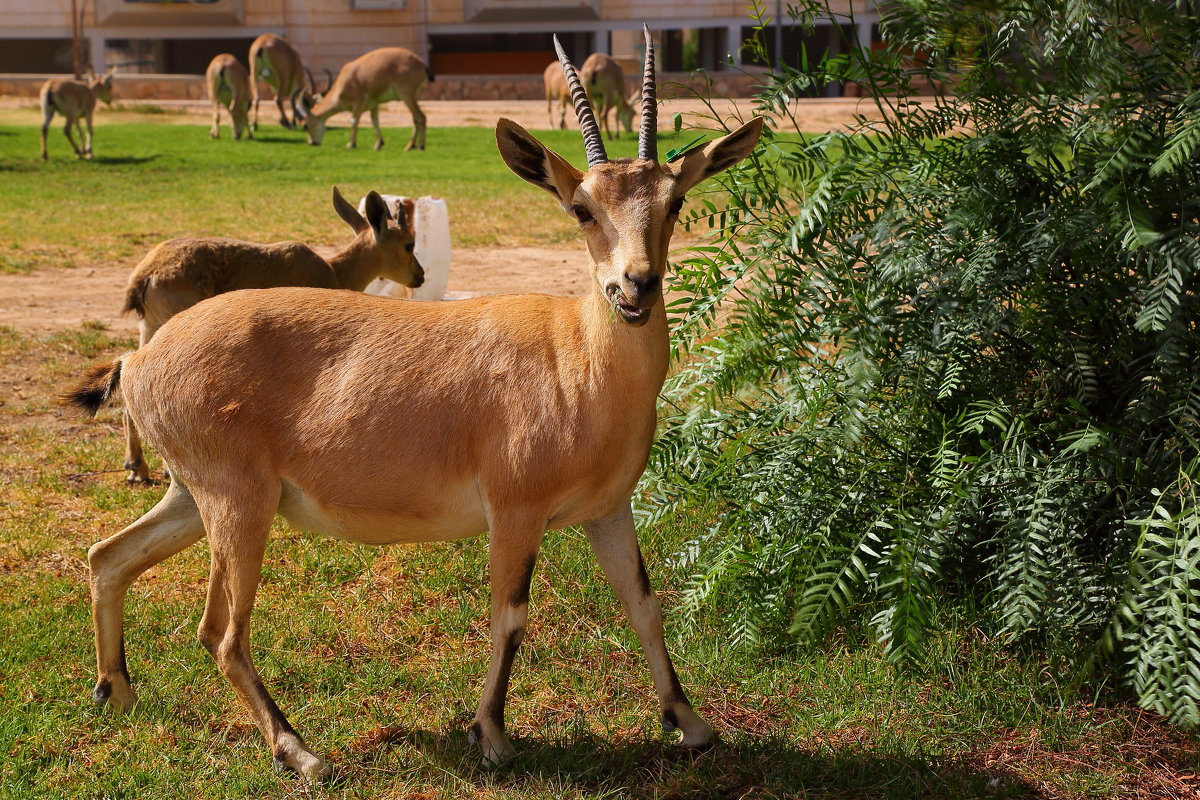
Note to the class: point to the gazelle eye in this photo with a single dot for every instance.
(409, 247)
(675, 207)
(582, 214)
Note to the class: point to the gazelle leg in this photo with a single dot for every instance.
(375, 125)
(353, 143)
(417, 142)
(283, 120)
(512, 553)
(253, 98)
(47, 114)
(115, 563)
(135, 461)
(215, 131)
(67, 130)
(87, 150)
(238, 526)
(614, 541)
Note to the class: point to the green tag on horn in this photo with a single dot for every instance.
(675, 153)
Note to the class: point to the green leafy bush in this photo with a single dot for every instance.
(953, 356)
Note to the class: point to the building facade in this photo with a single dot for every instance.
(456, 37)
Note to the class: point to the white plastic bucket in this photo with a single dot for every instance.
(431, 227)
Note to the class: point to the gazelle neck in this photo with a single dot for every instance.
(635, 356)
(356, 265)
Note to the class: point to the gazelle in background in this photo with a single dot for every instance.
(380, 76)
(181, 272)
(275, 61)
(521, 413)
(228, 85)
(75, 100)
(604, 81)
(556, 93)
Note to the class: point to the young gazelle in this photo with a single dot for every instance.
(520, 413)
(228, 85)
(76, 101)
(181, 272)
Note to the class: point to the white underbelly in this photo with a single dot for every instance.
(461, 514)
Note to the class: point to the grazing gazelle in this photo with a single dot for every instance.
(275, 61)
(228, 85)
(520, 413)
(604, 81)
(389, 73)
(557, 93)
(181, 272)
(75, 100)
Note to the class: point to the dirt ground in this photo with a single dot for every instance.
(54, 298)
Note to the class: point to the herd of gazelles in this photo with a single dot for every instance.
(382, 421)
(380, 76)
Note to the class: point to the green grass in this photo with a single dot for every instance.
(148, 183)
(378, 656)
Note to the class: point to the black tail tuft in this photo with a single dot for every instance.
(135, 299)
(429, 74)
(97, 388)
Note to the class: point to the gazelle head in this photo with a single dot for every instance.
(626, 208)
(101, 85)
(392, 238)
(304, 100)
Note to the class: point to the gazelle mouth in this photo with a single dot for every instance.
(631, 313)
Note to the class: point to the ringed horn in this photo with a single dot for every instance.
(593, 141)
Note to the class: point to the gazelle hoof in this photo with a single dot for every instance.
(310, 767)
(116, 694)
(496, 747)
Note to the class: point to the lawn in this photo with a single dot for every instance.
(150, 182)
(378, 656)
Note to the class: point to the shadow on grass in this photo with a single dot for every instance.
(268, 138)
(123, 159)
(647, 768)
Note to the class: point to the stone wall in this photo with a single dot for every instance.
(148, 88)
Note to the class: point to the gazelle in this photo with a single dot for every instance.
(275, 61)
(389, 73)
(556, 93)
(534, 413)
(604, 81)
(75, 100)
(228, 85)
(181, 272)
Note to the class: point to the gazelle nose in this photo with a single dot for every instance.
(641, 286)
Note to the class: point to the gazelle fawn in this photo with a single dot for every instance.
(228, 85)
(75, 100)
(520, 414)
(181, 272)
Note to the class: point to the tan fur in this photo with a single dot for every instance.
(380, 76)
(181, 272)
(75, 100)
(604, 81)
(556, 92)
(228, 85)
(273, 60)
(380, 421)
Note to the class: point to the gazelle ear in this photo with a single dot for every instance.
(716, 156)
(536, 163)
(378, 215)
(349, 213)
